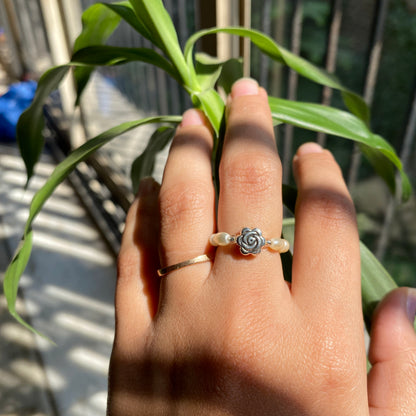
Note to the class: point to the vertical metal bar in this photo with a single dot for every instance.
(14, 32)
(28, 44)
(245, 21)
(163, 101)
(206, 17)
(371, 79)
(278, 34)
(182, 25)
(293, 87)
(173, 87)
(58, 46)
(408, 142)
(331, 57)
(266, 28)
(227, 13)
(224, 47)
(71, 14)
(39, 36)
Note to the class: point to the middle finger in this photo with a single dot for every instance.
(250, 182)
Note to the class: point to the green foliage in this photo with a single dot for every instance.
(144, 163)
(198, 75)
(98, 24)
(31, 122)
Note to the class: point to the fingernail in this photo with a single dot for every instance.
(308, 148)
(192, 117)
(147, 186)
(244, 86)
(411, 304)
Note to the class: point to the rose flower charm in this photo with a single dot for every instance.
(250, 241)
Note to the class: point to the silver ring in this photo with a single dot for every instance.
(200, 259)
(250, 241)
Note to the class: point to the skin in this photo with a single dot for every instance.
(231, 337)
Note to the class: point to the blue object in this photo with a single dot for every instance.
(12, 104)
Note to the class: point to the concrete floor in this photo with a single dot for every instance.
(67, 291)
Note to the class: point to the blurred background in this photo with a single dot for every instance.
(68, 287)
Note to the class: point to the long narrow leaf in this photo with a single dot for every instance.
(376, 282)
(19, 261)
(158, 22)
(340, 123)
(232, 70)
(144, 164)
(98, 24)
(207, 69)
(212, 105)
(125, 10)
(113, 55)
(31, 122)
(11, 285)
(267, 45)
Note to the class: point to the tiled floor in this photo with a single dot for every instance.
(67, 293)
(67, 289)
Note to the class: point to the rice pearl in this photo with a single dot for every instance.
(279, 244)
(220, 239)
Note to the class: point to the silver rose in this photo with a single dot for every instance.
(250, 241)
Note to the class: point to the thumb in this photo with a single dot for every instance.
(392, 379)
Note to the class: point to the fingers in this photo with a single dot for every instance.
(326, 263)
(137, 285)
(250, 179)
(187, 202)
(392, 353)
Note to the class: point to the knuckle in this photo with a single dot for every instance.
(331, 207)
(182, 204)
(251, 175)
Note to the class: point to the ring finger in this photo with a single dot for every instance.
(187, 204)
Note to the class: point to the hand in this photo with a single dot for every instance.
(231, 337)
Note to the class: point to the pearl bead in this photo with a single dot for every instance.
(220, 239)
(280, 245)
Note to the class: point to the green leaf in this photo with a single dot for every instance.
(232, 70)
(340, 123)
(385, 170)
(31, 122)
(144, 164)
(376, 282)
(98, 24)
(207, 69)
(267, 45)
(113, 55)
(11, 279)
(381, 165)
(159, 24)
(19, 262)
(125, 10)
(406, 187)
(212, 105)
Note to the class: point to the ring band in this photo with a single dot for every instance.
(250, 241)
(200, 259)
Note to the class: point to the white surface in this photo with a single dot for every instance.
(68, 292)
